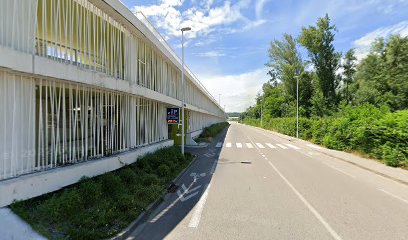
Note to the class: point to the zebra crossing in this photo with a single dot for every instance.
(284, 146)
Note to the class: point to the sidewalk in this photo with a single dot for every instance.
(396, 174)
(13, 227)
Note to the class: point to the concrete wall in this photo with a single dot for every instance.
(35, 184)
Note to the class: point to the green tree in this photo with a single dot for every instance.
(286, 62)
(349, 69)
(381, 77)
(318, 40)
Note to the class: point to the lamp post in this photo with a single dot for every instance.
(297, 106)
(185, 29)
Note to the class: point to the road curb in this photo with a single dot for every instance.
(146, 214)
(289, 138)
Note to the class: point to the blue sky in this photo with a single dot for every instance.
(227, 47)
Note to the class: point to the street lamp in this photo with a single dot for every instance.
(184, 29)
(297, 106)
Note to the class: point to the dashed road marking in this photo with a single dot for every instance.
(270, 145)
(339, 170)
(292, 146)
(259, 145)
(239, 145)
(281, 146)
(394, 196)
(229, 145)
(308, 205)
(249, 145)
(219, 144)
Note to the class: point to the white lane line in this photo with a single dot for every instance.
(239, 145)
(292, 146)
(229, 145)
(195, 219)
(314, 146)
(281, 146)
(308, 205)
(270, 145)
(249, 145)
(394, 196)
(219, 144)
(259, 145)
(337, 169)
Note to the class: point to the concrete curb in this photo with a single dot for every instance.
(149, 210)
(292, 139)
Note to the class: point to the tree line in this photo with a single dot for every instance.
(327, 78)
(344, 103)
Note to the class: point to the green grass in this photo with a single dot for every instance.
(212, 131)
(100, 207)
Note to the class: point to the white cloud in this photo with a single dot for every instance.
(203, 18)
(237, 91)
(211, 54)
(363, 44)
(259, 8)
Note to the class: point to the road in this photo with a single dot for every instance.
(255, 184)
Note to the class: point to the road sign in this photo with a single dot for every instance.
(173, 115)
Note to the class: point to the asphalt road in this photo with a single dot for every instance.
(253, 184)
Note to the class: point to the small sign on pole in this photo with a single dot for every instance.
(173, 115)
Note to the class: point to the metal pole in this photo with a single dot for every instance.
(297, 107)
(182, 86)
(261, 111)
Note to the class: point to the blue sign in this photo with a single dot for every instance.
(173, 115)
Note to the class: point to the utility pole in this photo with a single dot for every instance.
(182, 86)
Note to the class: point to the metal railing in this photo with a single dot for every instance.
(161, 39)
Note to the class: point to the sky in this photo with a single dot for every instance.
(228, 46)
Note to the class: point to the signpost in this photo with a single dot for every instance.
(173, 115)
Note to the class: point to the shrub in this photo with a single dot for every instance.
(374, 131)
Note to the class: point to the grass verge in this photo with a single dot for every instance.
(100, 207)
(210, 132)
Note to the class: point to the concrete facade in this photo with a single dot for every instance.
(82, 81)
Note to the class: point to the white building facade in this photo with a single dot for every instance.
(84, 80)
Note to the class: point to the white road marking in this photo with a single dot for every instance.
(394, 196)
(260, 145)
(229, 145)
(292, 146)
(239, 145)
(270, 145)
(308, 205)
(337, 169)
(187, 191)
(281, 146)
(219, 144)
(195, 219)
(314, 146)
(249, 145)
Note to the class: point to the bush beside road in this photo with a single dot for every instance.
(212, 131)
(100, 207)
(372, 131)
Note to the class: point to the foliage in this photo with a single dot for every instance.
(318, 40)
(374, 131)
(100, 207)
(381, 77)
(213, 130)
